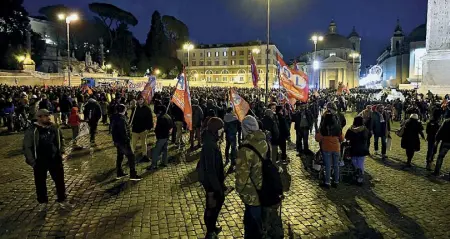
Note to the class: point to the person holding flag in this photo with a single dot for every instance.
(182, 99)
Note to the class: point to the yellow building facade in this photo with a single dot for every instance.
(224, 64)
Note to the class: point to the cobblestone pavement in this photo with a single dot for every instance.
(393, 203)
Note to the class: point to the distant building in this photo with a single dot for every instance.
(401, 60)
(334, 62)
(229, 63)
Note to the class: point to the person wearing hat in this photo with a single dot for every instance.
(164, 124)
(410, 138)
(211, 175)
(43, 146)
(141, 122)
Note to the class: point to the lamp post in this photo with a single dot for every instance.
(188, 46)
(316, 39)
(69, 19)
(354, 55)
(267, 51)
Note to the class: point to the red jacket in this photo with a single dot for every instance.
(74, 118)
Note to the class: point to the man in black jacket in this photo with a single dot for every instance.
(178, 118)
(141, 122)
(162, 131)
(197, 118)
(122, 136)
(304, 121)
(270, 124)
(43, 147)
(66, 106)
(92, 114)
(443, 135)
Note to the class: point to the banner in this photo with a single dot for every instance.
(182, 98)
(240, 106)
(255, 76)
(149, 89)
(294, 81)
(136, 86)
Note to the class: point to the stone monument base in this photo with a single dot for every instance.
(436, 72)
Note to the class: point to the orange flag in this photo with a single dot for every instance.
(240, 106)
(182, 98)
(294, 81)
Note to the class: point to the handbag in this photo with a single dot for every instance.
(401, 131)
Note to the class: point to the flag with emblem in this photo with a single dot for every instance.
(149, 89)
(182, 98)
(255, 76)
(240, 106)
(294, 81)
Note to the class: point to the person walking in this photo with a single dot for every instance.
(410, 138)
(141, 123)
(74, 123)
(211, 175)
(443, 136)
(330, 138)
(178, 118)
(43, 146)
(121, 135)
(92, 114)
(431, 130)
(249, 176)
(358, 135)
(164, 125)
(380, 129)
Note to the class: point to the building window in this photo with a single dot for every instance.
(258, 62)
(185, 54)
(224, 78)
(233, 62)
(332, 54)
(217, 54)
(194, 63)
(241, 53)
(208, 63)
(224, 53)
(208, 54)
(225, 63)
(233, 53)
(241, 62)
(201, 63)
(193, 54)
(201, 54)
(216, 63)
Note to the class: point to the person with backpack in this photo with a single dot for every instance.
(211, 175)
(258, 182)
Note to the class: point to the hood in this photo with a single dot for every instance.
(92, 100)
(357, 129)
(74, 110)
(257, 139)
(230, 117)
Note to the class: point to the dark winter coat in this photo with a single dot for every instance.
(432, 129)
(443, 133)
(410, 138)
(283, 126)
(65, 105)
(303, 115)
(270, 123)
(378, 128)
(177, 114)
(358, 137)
(163, 126)
(210, 167)
(92, 111)
(31, 144)
(197, 116)
(141, 119)
(120, 129)
(231, 125)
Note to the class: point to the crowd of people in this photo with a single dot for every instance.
(254, 148)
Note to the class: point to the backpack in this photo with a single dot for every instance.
(272, 188)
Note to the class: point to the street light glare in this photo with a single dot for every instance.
(256, 51)
(320, 38)
(314, 38)
(61, 16)
(188, 46)
(74, 17)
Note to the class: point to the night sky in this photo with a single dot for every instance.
(292, 21)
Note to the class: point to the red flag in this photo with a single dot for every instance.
(240, 106)
(294, 81)
(255, 76)
(182, 98)
(149, 89)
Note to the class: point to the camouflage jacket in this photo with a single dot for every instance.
(249, 168)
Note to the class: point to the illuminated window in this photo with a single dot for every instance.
(224, 53)
(208, 54)
(233, 62)
(332, 54)
(217, 54)
(233, 53)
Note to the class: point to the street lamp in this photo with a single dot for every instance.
(188, 47)
(69, 18)
(354, 55)
(256, 51)
(157, 71)
(267, 51)
(316, 39)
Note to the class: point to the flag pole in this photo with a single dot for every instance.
(170, 101)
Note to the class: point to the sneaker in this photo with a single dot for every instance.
(42, 207)
(121, 175)
(65, 205)
(136, 178)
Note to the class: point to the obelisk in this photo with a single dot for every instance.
(436, 61)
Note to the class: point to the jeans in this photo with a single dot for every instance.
(125, 150)
(231, 143)
(142, 138)
(358, 162)
(160, 147)
(253, 222)
(383, 144)
(431, 150)
(212, 210)
(92, 130)
(75, 131)
(445, 147)
(302, 136)
(330, 158)
(40, 179)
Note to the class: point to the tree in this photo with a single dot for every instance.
(14, 24)
(122, 54)
(112, 17)
(177, 33)
(156, 43)
(51, 12)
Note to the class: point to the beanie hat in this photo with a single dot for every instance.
(249, 124)
(214, 124)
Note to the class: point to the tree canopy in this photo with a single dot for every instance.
(176, 31)
(51, 12)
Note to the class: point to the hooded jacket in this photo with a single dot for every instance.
(197, 116)
(210, 166)
(120, 129)
(92, 111)
(231, 125)
(358, 137)
(249, 168)
(74, 118)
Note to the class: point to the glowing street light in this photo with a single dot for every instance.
(69, 18)
(256, 50)
(316, 65)
(354, 55)
(188, 47)
(20, 58)
(108, 66)
(157, 71)
(316, 38)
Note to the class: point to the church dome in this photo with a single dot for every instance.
(334, 40)
(418, 34)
